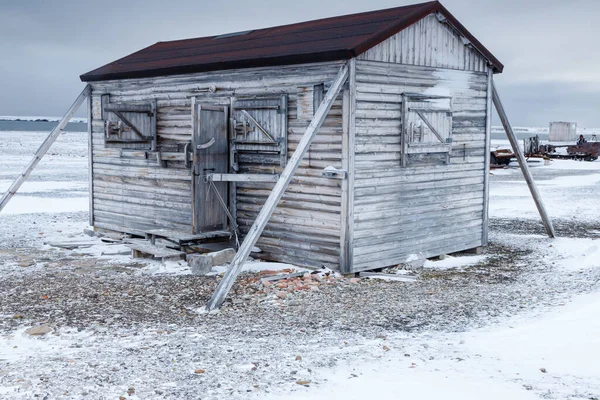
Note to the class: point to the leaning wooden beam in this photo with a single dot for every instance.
(286, 176)
(522, 163)
(44, 147)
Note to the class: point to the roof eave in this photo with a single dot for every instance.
(328, 56)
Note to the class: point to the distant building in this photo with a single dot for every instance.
(562, 131)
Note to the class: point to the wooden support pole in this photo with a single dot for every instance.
(522, 163)
(486, 169)
(45, 146)
(286, 176)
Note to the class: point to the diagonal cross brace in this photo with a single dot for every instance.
(431, 128)
(123, 118)
(258, 126)
(269, 207)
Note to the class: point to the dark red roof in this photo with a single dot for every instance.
(328, 39)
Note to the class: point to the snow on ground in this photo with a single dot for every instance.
(553, 353)
(569, 189)
(517, 322)
(454, 262)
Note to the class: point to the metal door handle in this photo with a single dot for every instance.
(206, 145)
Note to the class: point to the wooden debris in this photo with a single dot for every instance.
(391, 277)
(140, 247)
(279, 277)
(72, 244)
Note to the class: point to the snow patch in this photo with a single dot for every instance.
(454, 262)
(31, 204)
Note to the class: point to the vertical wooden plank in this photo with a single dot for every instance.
(194, 166)
(486, 169)
(404, 130)
(232, 165)
(348, 141)
(344, 267)
(90, 160)
(283, 120)
(153, 127)
(351, 158)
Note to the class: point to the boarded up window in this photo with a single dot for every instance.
(259, 127)
(308, 101)
(426, 128)
(129, 125)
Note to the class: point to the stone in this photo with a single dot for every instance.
(38, 330)
(200, 264)
(281, 295)
(222, 257)
(354, 280)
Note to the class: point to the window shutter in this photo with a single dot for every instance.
(259, 125)
(129, 125)
(426, 126)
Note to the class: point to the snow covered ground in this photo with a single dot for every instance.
(520, 321)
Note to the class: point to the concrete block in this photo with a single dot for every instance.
(222, 257)
(200, 264)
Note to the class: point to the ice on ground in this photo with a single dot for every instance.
(454, 262)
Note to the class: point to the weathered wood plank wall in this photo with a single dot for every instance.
(426, 207)
(422, 207)
(133, 194)
(428, 43)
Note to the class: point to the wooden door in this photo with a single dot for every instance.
(210, 146)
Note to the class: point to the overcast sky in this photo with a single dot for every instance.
(550, 48)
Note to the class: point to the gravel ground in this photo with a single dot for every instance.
(125, 328)
(120, 331)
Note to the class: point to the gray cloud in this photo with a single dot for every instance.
(548, 47)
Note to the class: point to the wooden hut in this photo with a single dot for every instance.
(183, 133)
